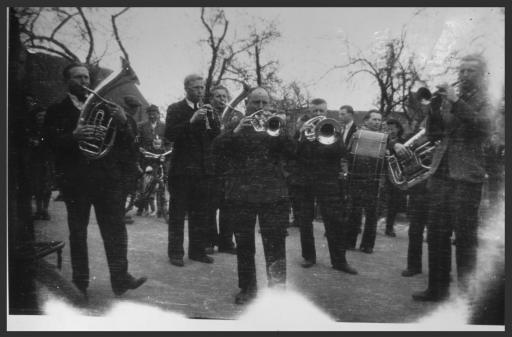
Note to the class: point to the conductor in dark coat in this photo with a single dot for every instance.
(192, 130)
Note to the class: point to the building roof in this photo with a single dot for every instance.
(44, 81)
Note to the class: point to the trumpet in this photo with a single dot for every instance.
(266, 121)
(97, 113)
(325, 130)
(424, 96)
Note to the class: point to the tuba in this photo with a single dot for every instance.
(266, 121)
(97, 112)
(325, 130)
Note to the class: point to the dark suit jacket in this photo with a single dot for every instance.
(252, 164)
(353, 129)
(463, 127)
(192, 142)
(61, 120)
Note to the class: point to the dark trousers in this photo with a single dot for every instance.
(108, 202)
(190, 195)
(272, 218)
(331, 208)
(363, 197)
(396, 200)
(214, 188)
(460, 200)
(418, 213)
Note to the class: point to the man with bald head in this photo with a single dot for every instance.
(190, 171)
(255, 187)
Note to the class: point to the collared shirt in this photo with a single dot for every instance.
(190, 103)
(76, 102)
(153, 125)
(347, 129)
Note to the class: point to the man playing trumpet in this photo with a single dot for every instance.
(318, 169)
(251, 163)
(461, 121)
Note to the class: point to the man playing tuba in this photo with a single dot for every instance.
(92, 182)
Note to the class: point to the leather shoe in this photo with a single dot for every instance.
(345, 267)
(366, 250)
(204, 259)
(82, 289)
(429, 296)
(176, 261)
(410, 272)
(130, 283)
(307, 263)
(244, 296)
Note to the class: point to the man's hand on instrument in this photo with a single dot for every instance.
(199, 115)
(118, 113)
(244, 123)
(90, 132)
(448, 91)
(401, 150)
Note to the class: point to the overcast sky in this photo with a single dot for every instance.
(163, 44)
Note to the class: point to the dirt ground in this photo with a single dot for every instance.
(378, 294)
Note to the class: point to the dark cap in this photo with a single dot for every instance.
(152, 107)
(131, 101)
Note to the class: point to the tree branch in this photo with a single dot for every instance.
(89, 32)
(59, 44)
(64, 55)
(116, 32)
(61, 24)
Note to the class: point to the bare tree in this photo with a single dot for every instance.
(215, 20)
(237, 59)
(64, 31)
(394, 71)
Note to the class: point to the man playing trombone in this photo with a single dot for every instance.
(318, 169)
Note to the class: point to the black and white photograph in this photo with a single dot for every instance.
(255, 168)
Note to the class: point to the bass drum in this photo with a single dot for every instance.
(368, 151)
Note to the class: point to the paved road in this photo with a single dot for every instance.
(378, 294)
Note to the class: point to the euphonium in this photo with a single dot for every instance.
(266, 121)
(406, 172)
(97, 112)
(325, 130)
